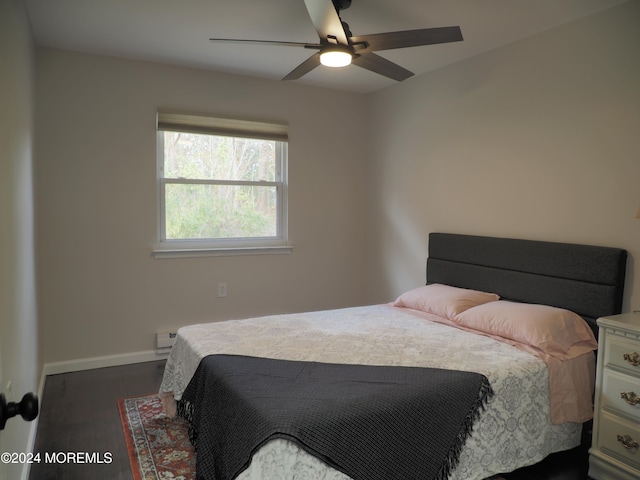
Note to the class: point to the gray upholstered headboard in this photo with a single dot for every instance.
(585, 279)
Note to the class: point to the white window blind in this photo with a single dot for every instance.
(230, 127)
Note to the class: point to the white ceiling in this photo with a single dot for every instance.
(178, 31)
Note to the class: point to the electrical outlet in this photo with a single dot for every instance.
(222, 290)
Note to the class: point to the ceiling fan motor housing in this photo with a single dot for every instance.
(341, 4)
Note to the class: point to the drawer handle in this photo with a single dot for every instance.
(630, 397)
(628, 442)
(632, 358)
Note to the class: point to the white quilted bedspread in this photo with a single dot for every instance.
(514, 431)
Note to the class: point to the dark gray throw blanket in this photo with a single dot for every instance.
(369, 422)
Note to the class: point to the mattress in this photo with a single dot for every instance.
(515, 430)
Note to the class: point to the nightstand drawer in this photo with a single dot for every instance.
(619, 438)
(623, 354)
(621, 392)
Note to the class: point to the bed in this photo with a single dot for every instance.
(531, 391)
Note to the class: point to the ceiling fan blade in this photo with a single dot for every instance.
(378, 64)
(305, 67)
(267, 42)
(408, 38)
(326, 20)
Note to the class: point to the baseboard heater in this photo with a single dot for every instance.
(164, 342)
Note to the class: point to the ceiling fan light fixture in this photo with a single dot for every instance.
(336, 57)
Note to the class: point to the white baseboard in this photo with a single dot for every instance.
(80, 364)
(31, 441)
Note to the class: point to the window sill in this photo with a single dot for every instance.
(220, 251)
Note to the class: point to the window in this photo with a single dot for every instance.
(222, 185)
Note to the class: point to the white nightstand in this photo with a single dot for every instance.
(615, 450)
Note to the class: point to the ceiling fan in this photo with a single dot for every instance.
(338, 47)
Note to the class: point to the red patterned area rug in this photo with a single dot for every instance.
(159, 447)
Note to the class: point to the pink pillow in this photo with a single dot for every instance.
(556, 331)
(443, 300)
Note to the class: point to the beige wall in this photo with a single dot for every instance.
(534, 140)
(18, 317)
(101, 292)
(539, 139)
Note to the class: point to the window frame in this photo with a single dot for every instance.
(222, 126)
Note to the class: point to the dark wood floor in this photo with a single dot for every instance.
(79, 413)
(570, 465)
